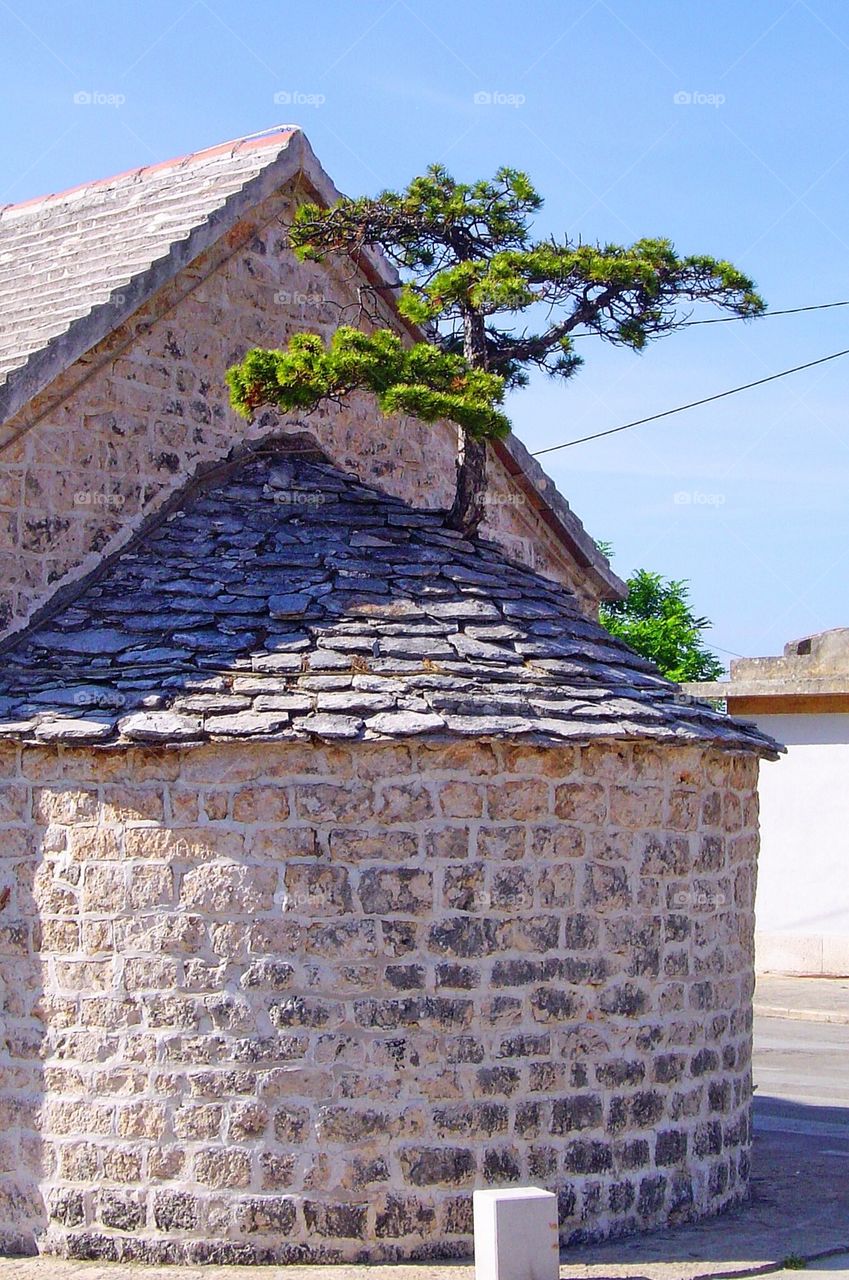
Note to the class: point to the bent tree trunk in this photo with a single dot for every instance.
(467, 510)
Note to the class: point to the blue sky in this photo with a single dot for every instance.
(721, 125)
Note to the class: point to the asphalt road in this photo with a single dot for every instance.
(801, 1074)
(801, 1114)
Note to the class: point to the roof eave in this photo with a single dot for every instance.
(553, 508)
(799, 687)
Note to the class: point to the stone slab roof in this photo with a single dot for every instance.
(281, 598)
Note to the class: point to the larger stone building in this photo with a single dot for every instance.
(345, 864)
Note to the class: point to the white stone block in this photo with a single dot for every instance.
(835, 956)
(516, 1234)
(789, 953)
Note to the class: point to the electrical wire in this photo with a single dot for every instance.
(693, 404)
(785, 311)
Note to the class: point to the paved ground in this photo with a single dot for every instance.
(800, 1185)
(809, 999)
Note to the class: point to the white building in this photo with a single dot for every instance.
(802, 700)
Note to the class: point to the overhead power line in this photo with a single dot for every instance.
(732, 653)
(720, 395)
(785, 311)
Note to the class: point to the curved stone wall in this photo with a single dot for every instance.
(276, 1002)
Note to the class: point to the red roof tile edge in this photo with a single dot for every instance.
(251, 141)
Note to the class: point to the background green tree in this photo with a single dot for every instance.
(493, 302)
(657, 620)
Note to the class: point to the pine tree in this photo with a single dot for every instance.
(471, 274)
(658, 621)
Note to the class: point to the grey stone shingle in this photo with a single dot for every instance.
(440, 652)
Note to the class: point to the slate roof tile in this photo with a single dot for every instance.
(451, 637)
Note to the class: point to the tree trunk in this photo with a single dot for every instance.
(467, 511)
(468, 507)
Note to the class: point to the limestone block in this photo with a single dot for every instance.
(345, 1003)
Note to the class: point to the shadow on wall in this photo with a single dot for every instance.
(798, 1202)
(23, 1216)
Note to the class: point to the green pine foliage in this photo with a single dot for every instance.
(657, 620)
(474, 277)
(420, 380)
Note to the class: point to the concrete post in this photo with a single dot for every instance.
(516, 1234)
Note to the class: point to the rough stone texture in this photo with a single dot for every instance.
(110, 438)
(275, 1002)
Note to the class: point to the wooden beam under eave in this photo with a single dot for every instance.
(789, 704)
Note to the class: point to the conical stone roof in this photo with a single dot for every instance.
(285, 599)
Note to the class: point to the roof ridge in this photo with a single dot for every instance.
(56, 352)
(249, 141)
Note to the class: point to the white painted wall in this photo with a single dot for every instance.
(802, 905)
